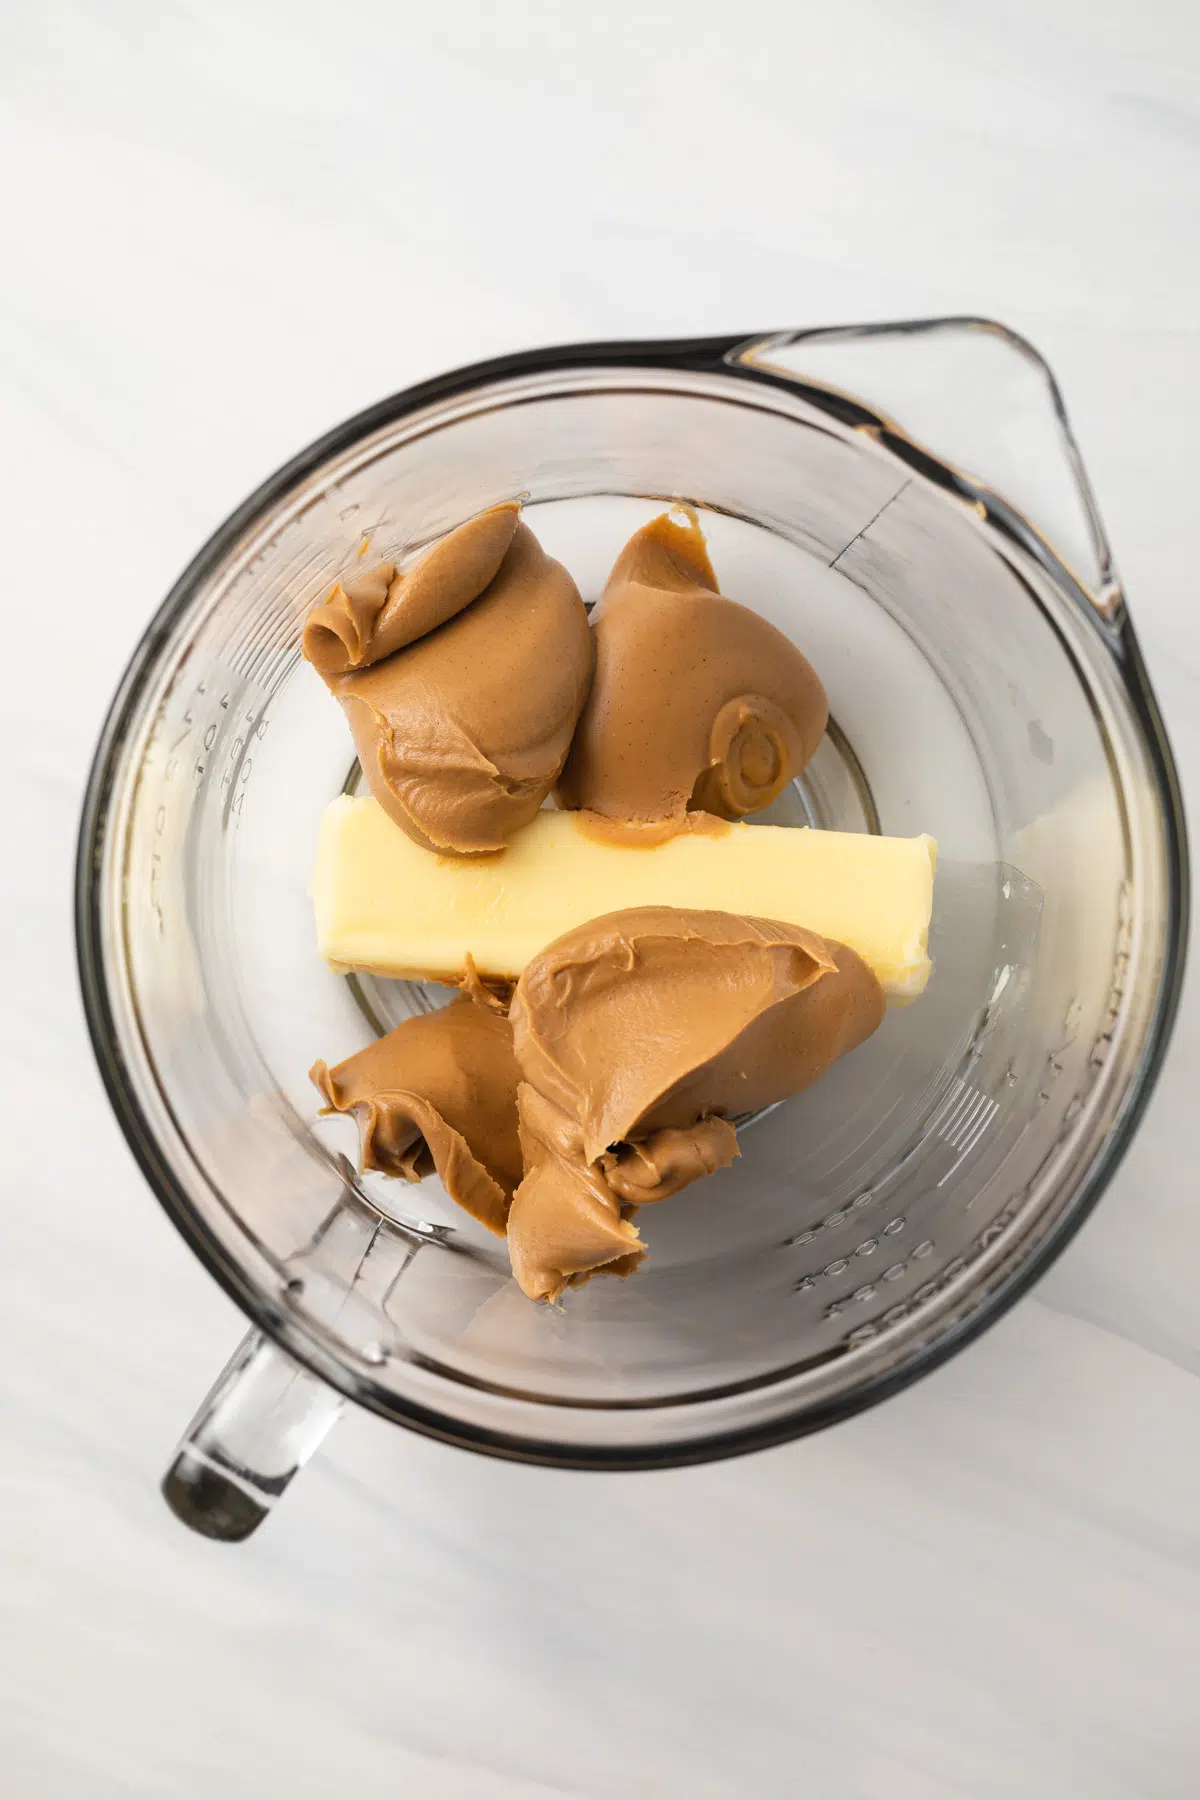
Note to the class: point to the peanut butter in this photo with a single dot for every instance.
(439, 1093)
(640, 1036)
(381, 612)
(698, 704)
(462, 680)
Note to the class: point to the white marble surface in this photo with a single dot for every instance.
(225, 226)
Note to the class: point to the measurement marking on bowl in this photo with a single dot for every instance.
(963, 1123)
(805, 1283)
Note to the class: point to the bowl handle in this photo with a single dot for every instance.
(257, 1427)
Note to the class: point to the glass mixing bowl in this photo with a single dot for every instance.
(907, 503)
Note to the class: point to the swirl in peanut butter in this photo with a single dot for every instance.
(698, 704)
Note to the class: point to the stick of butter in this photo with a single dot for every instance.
(386, 905)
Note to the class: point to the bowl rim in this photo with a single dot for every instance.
(722, 355)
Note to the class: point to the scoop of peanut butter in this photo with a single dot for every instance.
(462, 680)
(698, 704)
(438, 1093)
(639, 1037)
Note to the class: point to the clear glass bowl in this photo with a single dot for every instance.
(948, 576)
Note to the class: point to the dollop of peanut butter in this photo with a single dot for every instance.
(462, 680)
(439, 1093)
(640, 1037)
(364, 620)
(698, 704)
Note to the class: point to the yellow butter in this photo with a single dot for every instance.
(385, 905)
